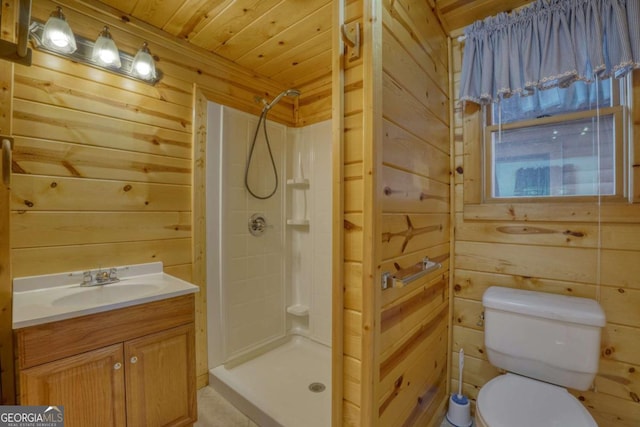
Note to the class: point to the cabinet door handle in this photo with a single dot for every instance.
(134, 359)
(117, 366)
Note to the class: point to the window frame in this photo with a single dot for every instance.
(621, 96)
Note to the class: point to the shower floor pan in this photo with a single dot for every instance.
(282, 387)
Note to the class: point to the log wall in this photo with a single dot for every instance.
(414, 199)
(8, 14)
(102, 166)
(581, 249)
(354, 365)
(396, 211)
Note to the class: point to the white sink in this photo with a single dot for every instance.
(105, 294)
(59, 296)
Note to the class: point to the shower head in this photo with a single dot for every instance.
(288, 92)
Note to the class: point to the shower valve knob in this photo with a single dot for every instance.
(257, 225)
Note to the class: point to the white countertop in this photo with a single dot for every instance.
(53, 297)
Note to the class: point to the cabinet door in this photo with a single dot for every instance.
(90, 386)
(160, 378)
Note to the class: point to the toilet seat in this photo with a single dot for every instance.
(512, 400)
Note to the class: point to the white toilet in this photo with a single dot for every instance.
(546, 342)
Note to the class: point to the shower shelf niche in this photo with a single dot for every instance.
(300, 222)
(298, 182)
(298, 310)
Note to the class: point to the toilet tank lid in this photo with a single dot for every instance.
(583, 311)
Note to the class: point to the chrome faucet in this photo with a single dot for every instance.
(99, 277)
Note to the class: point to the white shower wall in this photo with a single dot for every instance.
(250, 290)
(309, 248)
(250, 278)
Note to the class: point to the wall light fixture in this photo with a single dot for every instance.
(143, 64)
(57, 34)
(57, 38)
(105, 51)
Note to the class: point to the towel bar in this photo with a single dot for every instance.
(410, 274)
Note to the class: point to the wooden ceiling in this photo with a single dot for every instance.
(288, 41)
(457, 14)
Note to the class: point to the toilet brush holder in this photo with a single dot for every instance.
(459, 413)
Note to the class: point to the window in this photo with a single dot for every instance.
(558, 143)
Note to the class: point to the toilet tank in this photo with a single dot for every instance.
(552, 338)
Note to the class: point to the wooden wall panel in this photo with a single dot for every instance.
(415, 222)
(8, 17)
(354, 332)
(103, 166)
(579, 249)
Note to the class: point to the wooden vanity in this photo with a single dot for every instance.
(132, 366)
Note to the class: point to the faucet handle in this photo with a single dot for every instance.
(86, 277)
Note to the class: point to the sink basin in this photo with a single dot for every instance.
(59, 296)
(105, 294)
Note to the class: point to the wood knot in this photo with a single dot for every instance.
(608, 351)
(398, 382)
(29, 203)
(634, 397)
(621, 290)
(125, 18)
(53, 184)
(632, 370)
(457, 288)
(387, 191)
(349, 225)
(460, 170)
(581, 398)
(127, 188)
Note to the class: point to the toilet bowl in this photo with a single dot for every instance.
(545, 342)
(512, 400)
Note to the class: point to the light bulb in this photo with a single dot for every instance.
(105, 51)
(57, 34)
(143, 64)
(106, 56)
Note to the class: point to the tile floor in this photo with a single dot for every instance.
(215, 411)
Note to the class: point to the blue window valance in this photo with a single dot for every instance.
(551, 43)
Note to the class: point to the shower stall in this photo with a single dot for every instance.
(269, 266)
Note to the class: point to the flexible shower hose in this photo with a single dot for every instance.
(263, 120)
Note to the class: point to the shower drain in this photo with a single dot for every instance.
(316, 387)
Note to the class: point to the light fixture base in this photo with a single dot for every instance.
(84, 52)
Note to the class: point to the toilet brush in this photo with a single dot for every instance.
(459, 413)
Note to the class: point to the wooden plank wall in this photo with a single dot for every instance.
(102, 169)
(397, 211)
(7, 389)
(573, 249)
(353, 190)
(415, 220)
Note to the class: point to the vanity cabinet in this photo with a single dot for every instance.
(133, 366)
(94, 379)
